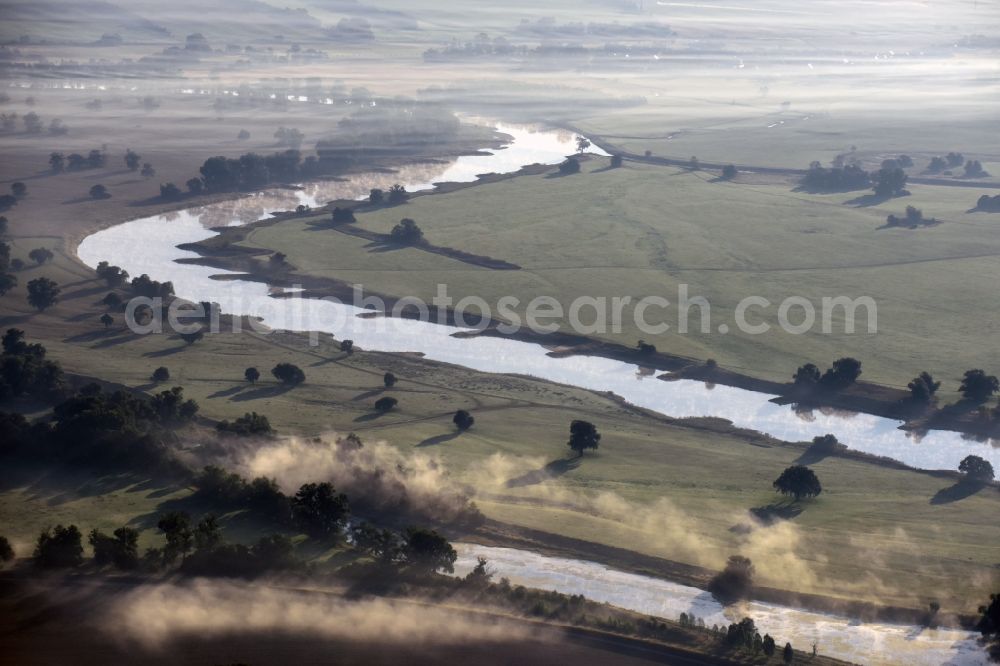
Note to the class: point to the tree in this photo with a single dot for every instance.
(788, 655)
(7, 282)
(251, 375)
(320, 511)
(19, 189)
(463, 420)
(427, 551)
(59, 547)
(728, 172)
(32, 123)
(582, 143)
(57, 162)
(132, 160)
(107, 320)
(385, 404)
(243, 135)
(583, 435)
(376, 196)
(43, 293)
(388, 380)
(923, 387)
(768, 646)
(95, 159)
(113, 301)
(734, 582)
(342, 215)
(288, 374)
(194, 186)
(976, 469)
(347, 346)
(176, 527)
(249, 425)
(114, 276)
(120, 550)
(99, 192)
(889, 182)
(7, 201)
(397, 195)
(798, 481)
(616, 161)
(807, 376)
(570, 166)
(977, 386)
(6, 550)
(693, 164)
(161, 374)
(407, 233)
(170, 191)
(207, 534)
(147, 170)
(844, 372)
(5, 226)
(40, 255)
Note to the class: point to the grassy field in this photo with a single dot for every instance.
(645, 230)
(657, 488)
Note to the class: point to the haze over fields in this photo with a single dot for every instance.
(607, 331)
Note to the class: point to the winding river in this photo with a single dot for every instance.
(149, 245)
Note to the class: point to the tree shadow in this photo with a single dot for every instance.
(962, 489)
(371, 416)
(225, 393)
(88, 291)
(552, 470)
(772, 513)
(91, 336)
(368, 394)
(170, 351)
(270, 391)
(868, 200)
(440, 439)
(817, 453)
(112, 342)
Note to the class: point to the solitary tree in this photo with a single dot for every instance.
(976, 469)
(40, 255)
(376, 196)
(347, 346)
(734, 582)
(385, 404)
(147, 170)
(389, 380)
(463, 420)
(7, 282)
(6, 550)
(583, 435)
(251, 375)
(582, 143)
(132, 160)
(768, 646)
(288, 374)
(99, 192)
(977, 386)
(788, 655)
(161, 374)
(798, 481)
(728, 172)
(42, 293)
(19, 189)
(107, 320)
(923, 387)
(616, 161)
(407, 232)
(342, 216)
(57, 162)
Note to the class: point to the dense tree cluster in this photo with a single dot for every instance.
(889, 182)
(836, 179)
(250, 424)
(843, 373)
(24, 370)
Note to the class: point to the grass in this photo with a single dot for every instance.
(644, 230)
